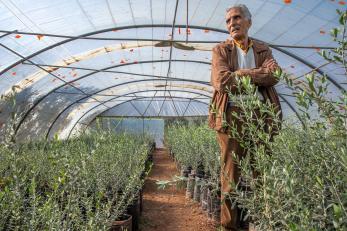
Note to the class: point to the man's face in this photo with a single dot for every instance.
(237, 24)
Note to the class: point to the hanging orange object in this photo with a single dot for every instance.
(318, 49)
(188, 31)
(207, 31)
(39, 36)
(18, 36)
(342, 3)
(287, 1)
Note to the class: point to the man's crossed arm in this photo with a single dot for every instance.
(223, 78)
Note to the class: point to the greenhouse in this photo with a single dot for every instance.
(152, 115)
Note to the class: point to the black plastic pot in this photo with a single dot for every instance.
(150, 158)
(215, 207)
(197, 189)
(123, 223)
(143, 175)
(200, 171)
(185, 171)
(203, 196)
(141, 201)
(135, 211)
(190, 186)
(209, 203)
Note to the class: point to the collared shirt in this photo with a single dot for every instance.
(243, 48)
(245, 55)
(246, 60)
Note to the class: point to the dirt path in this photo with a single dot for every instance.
(168, 210)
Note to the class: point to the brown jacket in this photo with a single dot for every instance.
(224, 65)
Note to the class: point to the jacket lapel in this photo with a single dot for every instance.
(233, 60)
(258, 48)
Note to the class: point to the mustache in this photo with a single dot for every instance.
(236, 27)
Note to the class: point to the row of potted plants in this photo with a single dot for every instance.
(196, 153)
(301, 183)
(86, 183)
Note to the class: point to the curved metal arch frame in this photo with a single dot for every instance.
(285, 100)
(165, 26)
(108, 30)
(173, 79)
(156, 26)
(313, 67)
(107, 68)
(131, 82)
(113, 86)
(125, 64)
(47, 134)
(73, 127)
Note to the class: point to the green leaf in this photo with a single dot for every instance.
(338, 59)
(293, 227)
(337, 211)
(319, 180)
(334, 32)
(342, 19)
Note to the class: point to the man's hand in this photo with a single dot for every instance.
(271, 64)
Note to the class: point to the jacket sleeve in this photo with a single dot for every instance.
(222, 78)
(261, 76)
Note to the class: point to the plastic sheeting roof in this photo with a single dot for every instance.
(72, 60)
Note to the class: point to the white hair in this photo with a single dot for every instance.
(244, 9)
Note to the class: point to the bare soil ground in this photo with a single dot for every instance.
(168, 209)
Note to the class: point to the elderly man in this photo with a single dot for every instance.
(241, 56)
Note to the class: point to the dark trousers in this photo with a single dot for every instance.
(231, 152)
(230, 172)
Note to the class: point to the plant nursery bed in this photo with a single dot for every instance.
(167, 209)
